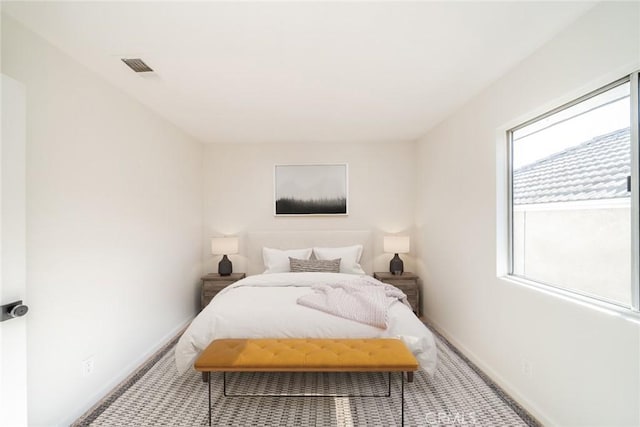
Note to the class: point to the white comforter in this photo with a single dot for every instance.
(264, 306)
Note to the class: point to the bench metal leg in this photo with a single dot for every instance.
(207, 375)
(402, 398)
(410, 377)
(209, 387)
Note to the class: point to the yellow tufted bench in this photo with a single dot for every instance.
(307, 355)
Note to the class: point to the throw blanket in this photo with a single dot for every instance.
(365, 300)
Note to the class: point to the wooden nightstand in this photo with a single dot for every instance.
(407, 283)
(213, 283)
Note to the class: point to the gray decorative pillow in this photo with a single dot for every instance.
(314, 265)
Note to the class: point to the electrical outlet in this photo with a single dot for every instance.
(88, 366)
(527, 368)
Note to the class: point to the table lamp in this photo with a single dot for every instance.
(396, 245)
(224, 246)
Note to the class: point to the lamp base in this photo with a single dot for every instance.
(396, 266)
(224, 266)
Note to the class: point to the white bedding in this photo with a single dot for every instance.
(264, 306)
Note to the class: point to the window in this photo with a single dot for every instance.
(572, 209)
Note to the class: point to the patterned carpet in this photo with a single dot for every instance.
(457, 395)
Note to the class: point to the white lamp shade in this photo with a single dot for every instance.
(396, 244)
(224, 245)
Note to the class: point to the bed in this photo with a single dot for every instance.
(266, 306)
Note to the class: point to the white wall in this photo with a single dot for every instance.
(585, 368)
(238, 192)
(114, 227)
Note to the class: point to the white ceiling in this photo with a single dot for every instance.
(235, 72)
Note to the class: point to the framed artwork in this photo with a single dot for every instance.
(319, 189)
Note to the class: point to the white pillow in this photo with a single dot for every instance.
(277, 260)
(349, 257)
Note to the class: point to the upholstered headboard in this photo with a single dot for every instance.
(306, 239)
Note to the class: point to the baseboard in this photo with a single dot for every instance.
(505, 385)
(124, 374)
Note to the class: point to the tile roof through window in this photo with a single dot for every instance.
(593, 170)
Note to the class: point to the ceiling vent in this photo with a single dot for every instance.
(137, 65)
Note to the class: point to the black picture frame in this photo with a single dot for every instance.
(311, 189)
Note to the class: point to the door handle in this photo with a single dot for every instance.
(13, 309)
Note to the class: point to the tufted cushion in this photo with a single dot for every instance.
(314, 265)
(306, 355)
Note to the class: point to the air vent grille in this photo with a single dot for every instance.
(137, 65)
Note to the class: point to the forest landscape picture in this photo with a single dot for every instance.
(311, 189)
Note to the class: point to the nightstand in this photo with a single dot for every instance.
(213, 283)
(407, 283)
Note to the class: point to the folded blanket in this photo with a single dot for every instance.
(364, 299)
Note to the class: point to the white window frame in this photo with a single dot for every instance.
(634, 309)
